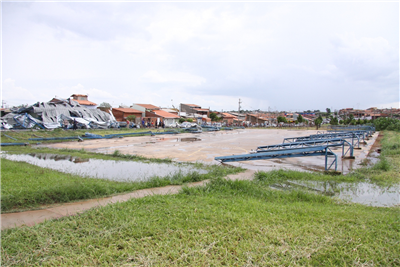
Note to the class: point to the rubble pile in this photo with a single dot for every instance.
(57, 114)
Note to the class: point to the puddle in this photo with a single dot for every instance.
(105, 169)
(372, 158)
(187, 139)
(363, 193)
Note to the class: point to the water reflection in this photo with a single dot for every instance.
(105, 169)
(363, 193)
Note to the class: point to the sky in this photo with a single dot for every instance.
(272, 56)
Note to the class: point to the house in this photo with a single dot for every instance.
(157, 116)
(240, 117)
(170, 110)
(291, 117)
(256, 118)
(144, 107)
(194, 111)
(83, 101)
(121, 114)
(227, 118)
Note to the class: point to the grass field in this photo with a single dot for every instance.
(232, 223)
(25, 186)
(240, 223)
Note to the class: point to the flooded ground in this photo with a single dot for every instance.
(105, 169)
(204, 147)
(363, 193)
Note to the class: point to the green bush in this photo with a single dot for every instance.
(387, 124)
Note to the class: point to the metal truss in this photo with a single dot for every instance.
(321, 150)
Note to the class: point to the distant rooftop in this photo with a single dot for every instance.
(148, 106)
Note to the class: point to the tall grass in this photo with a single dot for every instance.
(225, 223)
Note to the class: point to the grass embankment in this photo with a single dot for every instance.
(233, 223)
(25, 186)
(23, 136)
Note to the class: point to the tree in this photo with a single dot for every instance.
(318, 121)
(350, 119)
(131, 118)
(282, 119)
(328, 112)
(214, 117)
(300, 119)
(105, 105)
(334, 121)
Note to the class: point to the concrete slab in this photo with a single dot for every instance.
(222, 143)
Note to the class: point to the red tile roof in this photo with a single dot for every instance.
(85, 102)
(165, 114)
(201, 109)
(128, 110)
(227, 115)
(148, 106)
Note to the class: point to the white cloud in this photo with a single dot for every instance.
(389, 105)
(180, 77)
(212, 54)
(14, 95)
(365, 58)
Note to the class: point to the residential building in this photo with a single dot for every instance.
(121, 114)
(157, 116)
(144, 107)
(195, 112)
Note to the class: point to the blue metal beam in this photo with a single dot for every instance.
(285, 153)
(326, 142)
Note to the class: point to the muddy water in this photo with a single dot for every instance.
(363, 193)
(105, 169)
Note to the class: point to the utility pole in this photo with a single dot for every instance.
(239, 106)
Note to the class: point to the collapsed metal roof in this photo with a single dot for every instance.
(56, 114)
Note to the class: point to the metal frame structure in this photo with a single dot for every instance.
(342, 135)
(339, 128)
(326, 142)
(321, 150)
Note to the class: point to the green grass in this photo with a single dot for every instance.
(23, 136)
(25, 186)
(231, 223)
(225, 223)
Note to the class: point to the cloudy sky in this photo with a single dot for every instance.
(289, 56)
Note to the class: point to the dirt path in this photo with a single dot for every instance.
(30, 218)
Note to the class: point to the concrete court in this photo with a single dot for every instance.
(204, 147)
